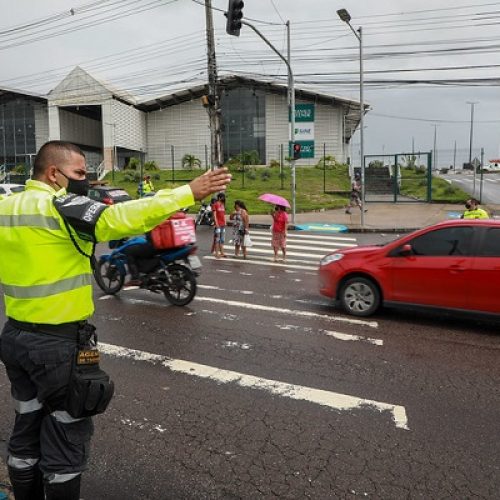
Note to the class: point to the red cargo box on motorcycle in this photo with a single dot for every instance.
(177, 231)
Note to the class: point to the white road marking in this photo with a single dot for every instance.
(334, 400)
(251, 261)
(336, 335)
(210, 287)
(230, 343)
(290, 242)
(348, 337)
(326, 237)
(289, 312)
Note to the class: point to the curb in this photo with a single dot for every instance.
(292, 227)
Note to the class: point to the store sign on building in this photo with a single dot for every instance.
(304, 129)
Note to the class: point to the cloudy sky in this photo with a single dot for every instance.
(424, 61)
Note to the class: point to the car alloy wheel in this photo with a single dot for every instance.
(360, 296)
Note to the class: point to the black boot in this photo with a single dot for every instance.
(69, 490)
(27, 484)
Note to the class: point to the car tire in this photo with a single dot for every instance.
(360, 296)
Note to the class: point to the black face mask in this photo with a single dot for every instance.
(75, 186)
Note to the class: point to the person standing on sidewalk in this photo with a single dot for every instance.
(219, 210)
(279, 231)
(474, 211)
(47, 240)
(241, 224)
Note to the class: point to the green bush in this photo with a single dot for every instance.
(21, 169)
(132, 176)
(327, 162)
(274, 164)
(133, 164)
(265, 175)
(251, 175)
(151, 165)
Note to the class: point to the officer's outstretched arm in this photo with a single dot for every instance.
(139, 216)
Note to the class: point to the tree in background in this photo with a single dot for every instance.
(190, 162)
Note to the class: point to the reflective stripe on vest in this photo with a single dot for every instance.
(30, 220)
(31, 292)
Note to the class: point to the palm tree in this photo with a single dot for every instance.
(190, 162)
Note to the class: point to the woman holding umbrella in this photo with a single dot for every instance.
(280, 222)
(279, 231)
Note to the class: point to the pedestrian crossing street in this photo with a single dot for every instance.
(303, 251)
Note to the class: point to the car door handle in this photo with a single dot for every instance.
(457, 268)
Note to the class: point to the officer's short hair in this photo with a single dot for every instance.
(53, 153)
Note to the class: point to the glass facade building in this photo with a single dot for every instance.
(244, 122)
(17, 130)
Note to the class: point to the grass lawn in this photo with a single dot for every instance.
(315, 189)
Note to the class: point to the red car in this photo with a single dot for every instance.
(451, 265)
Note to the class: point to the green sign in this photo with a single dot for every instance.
(306, 149)
(304, 130)
(304, 112)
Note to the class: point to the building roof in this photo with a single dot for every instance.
(230, 82)
(7, 92)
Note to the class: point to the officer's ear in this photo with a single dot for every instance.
(51, 174)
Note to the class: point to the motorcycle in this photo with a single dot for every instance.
(172, 271)
(205, 215)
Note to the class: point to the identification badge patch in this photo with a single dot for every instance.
(88, 357)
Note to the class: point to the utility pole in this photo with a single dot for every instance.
(472, 103)
(213, 94)
(291, 104)
(455, 156)
(434, 156)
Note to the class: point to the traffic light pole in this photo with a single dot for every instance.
(291, 102)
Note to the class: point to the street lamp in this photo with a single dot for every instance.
(346, 18)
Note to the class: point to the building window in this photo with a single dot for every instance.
(17, 132)
(244, 122)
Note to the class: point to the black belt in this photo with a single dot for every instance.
(64, 329)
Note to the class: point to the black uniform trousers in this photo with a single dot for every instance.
(38, 365)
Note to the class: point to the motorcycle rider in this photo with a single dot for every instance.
(48, 306)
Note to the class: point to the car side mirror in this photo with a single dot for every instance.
(406, 250)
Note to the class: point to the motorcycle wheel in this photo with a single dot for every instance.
(197, 221)
(108, 277)
(181, 285)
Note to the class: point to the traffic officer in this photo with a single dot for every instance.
(147, 186)
(47, 236)
(473, 210)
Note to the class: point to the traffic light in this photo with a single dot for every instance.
(234, 15)
(297, 148)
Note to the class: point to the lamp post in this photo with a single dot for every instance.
(346, 18)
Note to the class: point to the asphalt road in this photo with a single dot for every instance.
(488, 188)
(260, 389)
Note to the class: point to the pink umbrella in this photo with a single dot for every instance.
(274, 199)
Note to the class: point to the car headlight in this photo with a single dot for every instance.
(334, 257)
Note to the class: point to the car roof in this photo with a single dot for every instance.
(107, 188)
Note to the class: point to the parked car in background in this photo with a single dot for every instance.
(108, 194)
(8, 189)
(492, 167)
(453, 265)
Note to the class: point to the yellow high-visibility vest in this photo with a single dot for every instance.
(43, 276)
(477, 213)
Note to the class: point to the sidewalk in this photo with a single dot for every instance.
(380, 217)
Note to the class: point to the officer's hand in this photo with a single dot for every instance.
(210, 182)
